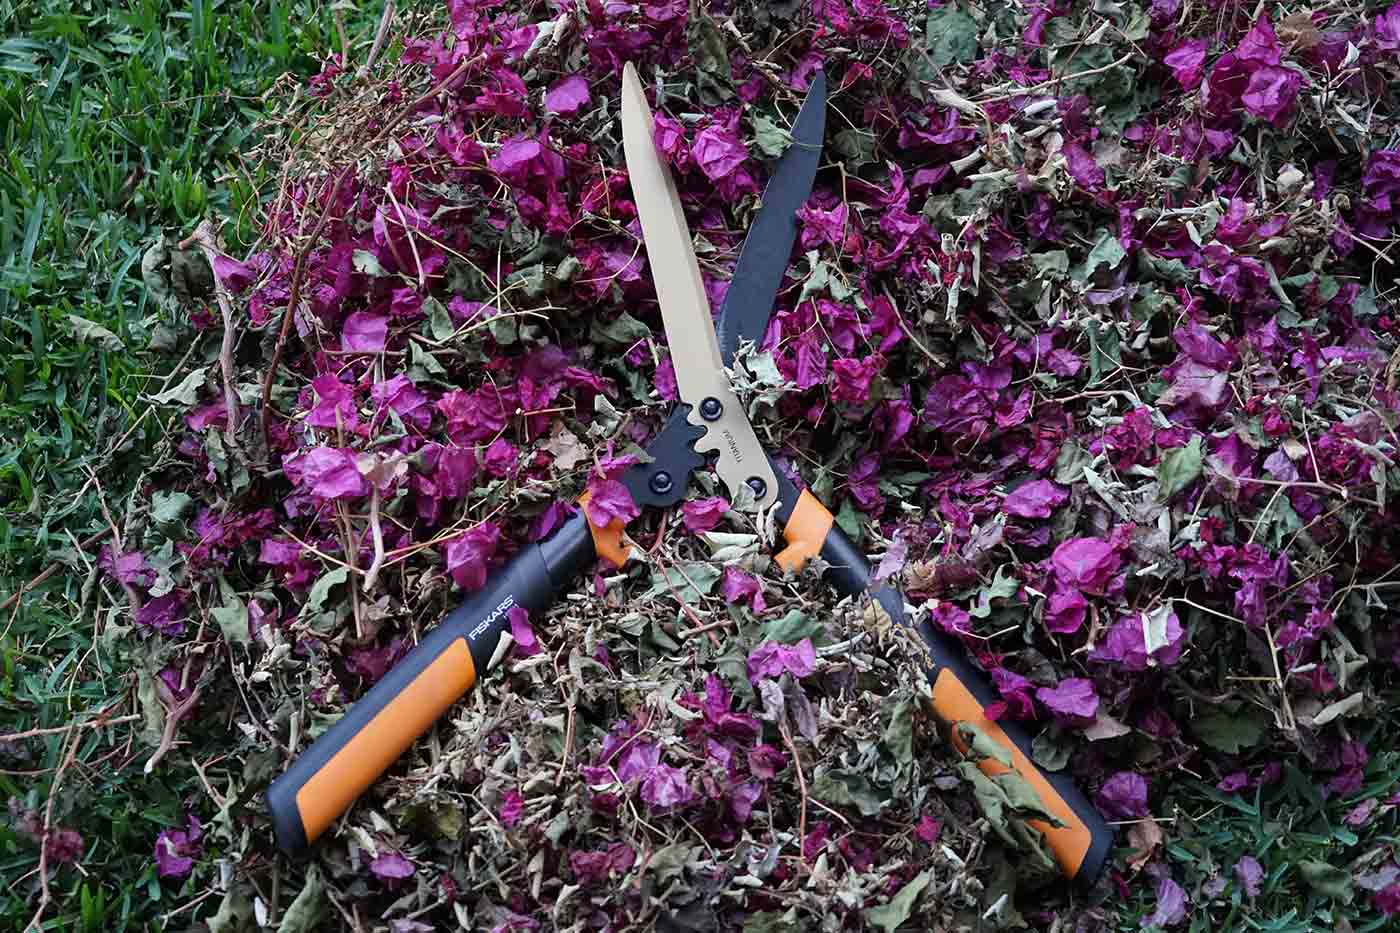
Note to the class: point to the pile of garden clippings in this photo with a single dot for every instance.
(1087, 340)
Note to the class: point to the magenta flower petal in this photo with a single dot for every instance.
(520, 630)
(594, 868)
(469, 555)
(1260, 45)
(772, 659)
(638, 761)
(665, 787)
(567, 96)
(1187, 62)
(177, 849)
(129, 567)
(719, 152)
(609, 501)
(1085, 563)
(1082, 168)
(365, 332)
(232, 274)
(739, 586)
(328, 472)
(1250, 874)
(1386, 30)
(1036, 499)
(1171, 904)
(701, 515)
(1271, 93)
(391, 866)
(512, 806)
(1123, 796)
(165, 614)
(65, 846)
(1073, 702)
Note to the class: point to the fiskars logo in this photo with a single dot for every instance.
(485, 623)
(733, 445)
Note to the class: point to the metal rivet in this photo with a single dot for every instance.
(661, 482)
(758, 486)
(711, 409)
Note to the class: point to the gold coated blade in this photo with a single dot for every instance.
(685, 309)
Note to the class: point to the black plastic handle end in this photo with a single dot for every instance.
(327, 778)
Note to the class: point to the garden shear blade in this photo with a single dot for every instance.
(700, 378)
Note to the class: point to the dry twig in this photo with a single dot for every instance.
(44, 896)
(377, 535)
(132, 597)
(173, 715)
(380, 35)
(97, 721)
(206, 236)
(801, 779)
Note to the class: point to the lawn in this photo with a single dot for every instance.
(1090, 343)
(121, 123)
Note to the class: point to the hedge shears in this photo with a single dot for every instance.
(708, 419)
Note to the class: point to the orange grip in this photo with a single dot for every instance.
(805, 532)
(331, 790)
(607, 540)
(955, 704)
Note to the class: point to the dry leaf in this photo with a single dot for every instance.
(565, 446)
(1146, 837)
(1105, 727)
(1297, 30)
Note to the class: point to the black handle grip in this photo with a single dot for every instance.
(327, 778)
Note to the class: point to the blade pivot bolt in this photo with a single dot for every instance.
(661, 482)
(758, 486)
(711, 409)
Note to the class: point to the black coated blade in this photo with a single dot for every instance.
(665, 480)
(768, 246)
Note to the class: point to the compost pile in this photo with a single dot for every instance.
(1087, 340)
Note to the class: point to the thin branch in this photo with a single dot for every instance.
(293, 300)
(344, 39)
(372, 574)
(97, 722)
(351, 549)
(380, 35)
(1034, 88)
(132, 597)
(712, 626)
(1290, 722)
(35, 924)
(801, 782)
(173, 715)
(206, 236)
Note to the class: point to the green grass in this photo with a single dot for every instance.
(122, 124)
(1300, 836)
(118, 123)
